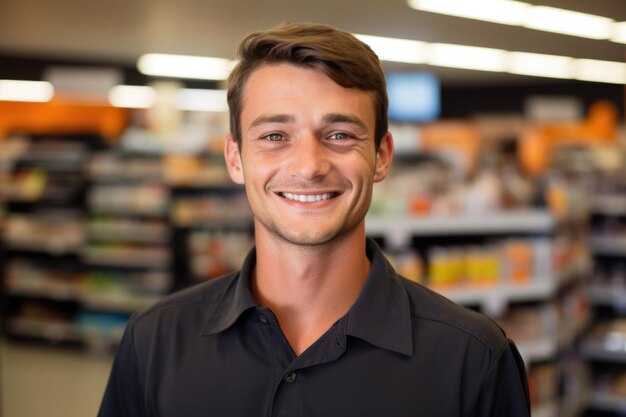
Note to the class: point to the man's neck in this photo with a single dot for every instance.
(309, 287)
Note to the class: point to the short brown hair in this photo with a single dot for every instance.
(338, 54)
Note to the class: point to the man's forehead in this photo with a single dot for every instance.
(270, 81)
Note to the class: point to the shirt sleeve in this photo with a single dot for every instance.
(505, 389)
(124, 393)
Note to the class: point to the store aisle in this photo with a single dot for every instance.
(40, 381)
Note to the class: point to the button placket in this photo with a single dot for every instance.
(290, 377)
(263, 319)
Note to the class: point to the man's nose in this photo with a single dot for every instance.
(309, 158)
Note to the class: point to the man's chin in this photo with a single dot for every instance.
(314, 238)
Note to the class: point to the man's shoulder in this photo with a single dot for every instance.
(431, 306)
(202, 295)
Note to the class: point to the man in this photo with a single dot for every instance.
(316, 323)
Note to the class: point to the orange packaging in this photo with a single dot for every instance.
(518, 258)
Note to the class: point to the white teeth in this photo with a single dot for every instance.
(309, 198)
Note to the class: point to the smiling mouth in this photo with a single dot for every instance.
(308, 198)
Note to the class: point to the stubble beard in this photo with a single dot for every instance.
(314, 238)
(345, 226)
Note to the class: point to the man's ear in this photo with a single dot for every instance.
(233, 160)
(384, 156)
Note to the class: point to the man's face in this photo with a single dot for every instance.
(307, 159)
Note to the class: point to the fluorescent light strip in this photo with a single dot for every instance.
(132, 96)
(567, 22)
(498, 60)
(600, 71)
(187, 99)
(33, 91)
(466, 57)
(184, 66)
(619, 32)
(201, 100)
(497, 11)
(540, 65)
(396, 50)
(516, 13)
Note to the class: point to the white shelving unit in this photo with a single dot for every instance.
(400, 232)
(548, 347)
(545, 410)
(608, 295)
(57, 332)
(611, 205)
(607, 245)
(537, 289)
(526, 221)
(601, 351)
(607, 402)
(605, 348)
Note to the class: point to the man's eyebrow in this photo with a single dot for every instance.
(344, 118)
(272, 118)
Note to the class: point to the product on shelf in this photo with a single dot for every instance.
(24, 185)
(214, 253)
(511, 262)
(100, 331)
(195, 171)
(608, 336)
(116, 291)
(113, 166)
(51, 232)
(111, 228)
(528, 324)
(612, 383)
(145, 199)
(232, 210)
(542, 384)
(433, 184)
(120, 254)
(125, 283)
(29, 277)
(407, 263)
(35, 319)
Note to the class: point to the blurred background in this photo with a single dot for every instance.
(508, 191)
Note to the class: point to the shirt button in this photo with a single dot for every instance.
(290, 377)
(263, 319)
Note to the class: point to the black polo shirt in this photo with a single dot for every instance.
(401, 350)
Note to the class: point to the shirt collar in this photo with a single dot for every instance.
(235, 301)
(381, 315)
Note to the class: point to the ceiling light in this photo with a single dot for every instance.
(184, 66)
(132, 96)
(498, 60)
(395, 50)
(619, 32)
(600, 71)
(17, 90)
(498, 11)
(194, 99)
(540, 65)
(467, 57)
(551, 19)
(517, 13)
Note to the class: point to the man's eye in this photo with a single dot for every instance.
(274, 137)
(339, 136)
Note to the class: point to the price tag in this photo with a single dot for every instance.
(495, 303)
(398, 238)
(619, 299)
